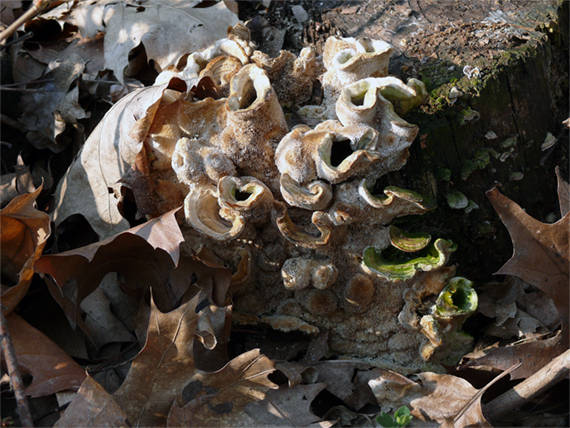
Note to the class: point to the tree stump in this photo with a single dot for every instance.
(497, 75)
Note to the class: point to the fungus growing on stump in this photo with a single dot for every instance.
(289, 209)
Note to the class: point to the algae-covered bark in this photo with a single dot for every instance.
(497, 76)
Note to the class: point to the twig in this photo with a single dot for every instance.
(20, 39)
(29, 82)
(543, 379)
(14, 373)
(12, 89)
(37, 7)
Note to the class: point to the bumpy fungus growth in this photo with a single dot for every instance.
(290, 209)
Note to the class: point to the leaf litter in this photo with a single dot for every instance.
(169, 381)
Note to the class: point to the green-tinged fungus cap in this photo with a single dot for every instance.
(457, 298)
(408, 242)
(395, 265)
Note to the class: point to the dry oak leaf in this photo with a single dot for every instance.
(286, 406)
(51, 368)
(92, 406)
(145, 255)
(447, 399)
(346, 379)
(162, 368)
(46, 113)
(532, 354)
(91, 185)
(167, 29)
(540, 251)
(219, 398)
(24, 231)
(541, 258)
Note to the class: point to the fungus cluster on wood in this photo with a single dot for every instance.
(281, 191)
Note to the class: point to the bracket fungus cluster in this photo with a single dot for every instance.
(284, 191)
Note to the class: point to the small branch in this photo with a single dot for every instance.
(546, 377)
(14, 373)
(30, 82)
(37, 7)
(12, 89)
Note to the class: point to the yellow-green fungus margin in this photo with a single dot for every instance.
(458, 298)
(396, 265)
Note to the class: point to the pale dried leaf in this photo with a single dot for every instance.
(102, 324)
(24, 231)
(91, 185)
(47, 111)
(167, 29)
(89, 50)
(52, 369)
(434, 397)
(286, 406)
(219, 398)
(93, 407)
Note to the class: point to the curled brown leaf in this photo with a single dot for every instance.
(24, 231)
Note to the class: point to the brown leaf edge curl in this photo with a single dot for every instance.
(24, 231)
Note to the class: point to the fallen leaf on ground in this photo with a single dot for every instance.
(540, 251)
(519, 311)
(52, 369)
(219, 398)
(9, 11)
(103, 325)
(92, 185)
(92, 406)
(167, 29)
(348, 380)
(541, 258)
(145, 255)
(24, 231)
(286, 406)
(46, 112)
(162, 368)
(16, 183)
(533, 354)
(446, 399)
